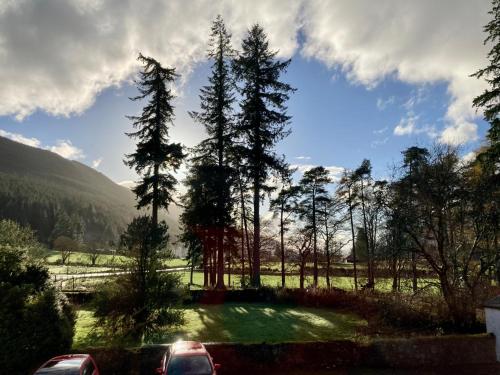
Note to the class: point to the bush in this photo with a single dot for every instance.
(129, 316)
(36, 322)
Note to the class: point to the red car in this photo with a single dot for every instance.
(70, 364)
(187, 358)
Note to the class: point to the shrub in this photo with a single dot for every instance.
(130, 316)
(36, 322)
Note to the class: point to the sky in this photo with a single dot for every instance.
(372, 77)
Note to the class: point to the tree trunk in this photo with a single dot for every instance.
(243, 211)
(371, 283)
(354, 261)
(315, 246)
(282, 246)
(220, 258)
(256, 234)
(242, 250)
(205, 263)
(302, 266)
(414, 270)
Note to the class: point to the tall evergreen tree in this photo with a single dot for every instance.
(348, 194)
(313, 188)
(363, 177)
(262, 120)
(155, 158)
(414, 158)
(489, 100)
(217, 116)
(284, 205)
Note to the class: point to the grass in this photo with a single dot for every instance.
(79, 262)
(293, 281)
(245, 323)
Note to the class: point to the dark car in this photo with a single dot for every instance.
(70, 364)
(187, 358)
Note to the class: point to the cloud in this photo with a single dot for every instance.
(379, 142)
(129, 184)
(469, 157)
(65, 148)
(417, 42)
(303, 157)
(335, 171)
(57, 56)
(459, 134)
(96, 163)
(33, 142)
(381, 131)
(384, 103)
(408, 126)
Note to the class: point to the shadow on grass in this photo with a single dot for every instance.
(257, 323)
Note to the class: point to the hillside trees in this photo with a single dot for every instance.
(262, 119)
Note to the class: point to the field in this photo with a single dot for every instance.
(79, 262)
(293, 281)
(246, 323)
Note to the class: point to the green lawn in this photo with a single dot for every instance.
(77, 262)
(247, 323)
(293, 281)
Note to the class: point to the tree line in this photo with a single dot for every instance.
(437, 211)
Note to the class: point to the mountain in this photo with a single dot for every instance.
(39, 187)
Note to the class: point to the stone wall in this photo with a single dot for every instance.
(264, 358)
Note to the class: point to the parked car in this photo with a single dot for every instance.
(70, 364)
(187, 358)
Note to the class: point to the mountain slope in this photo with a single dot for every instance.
(38, 186)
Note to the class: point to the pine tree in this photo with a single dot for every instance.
(284, 205)
(217, 117)
(489, 100)
(313, 189)
(155, 158)
(262, 120)
(363, 177)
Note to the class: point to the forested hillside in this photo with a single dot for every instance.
(39, 188)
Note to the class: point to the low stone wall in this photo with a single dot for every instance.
(264, 358)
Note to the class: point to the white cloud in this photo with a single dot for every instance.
(96, 163)
(65, 148)
(459, 134)
(384, 103)
(129, 184)
(33, 142)
(469, 157)
(303, 157)
(335, 172)
(417, 42)
(379, 142)
(58, 55)
(408, 126)
(381, 131)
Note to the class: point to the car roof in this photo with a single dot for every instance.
(63, 364)
(188, 348)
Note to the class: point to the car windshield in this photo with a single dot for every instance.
(189, 365)
(62, 367)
